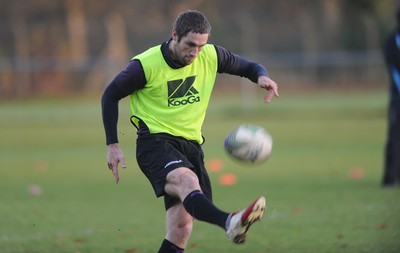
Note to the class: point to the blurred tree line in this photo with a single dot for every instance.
(58, 46)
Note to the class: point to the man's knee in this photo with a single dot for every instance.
(181, 182)
(182, 175)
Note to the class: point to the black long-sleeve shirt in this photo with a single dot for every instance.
(132, 78)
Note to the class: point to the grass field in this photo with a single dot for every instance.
(322, 182)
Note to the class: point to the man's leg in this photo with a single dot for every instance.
(179, 229)
(179, 225)
(183, 183)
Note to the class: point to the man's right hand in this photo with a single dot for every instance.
(115, 156)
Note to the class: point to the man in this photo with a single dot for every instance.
(391, 175)
(170, 86)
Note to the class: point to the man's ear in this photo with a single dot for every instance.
(174, 35)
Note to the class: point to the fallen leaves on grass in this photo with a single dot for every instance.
(356, 173)
(382, 226)
(35, 190)
(131, 250)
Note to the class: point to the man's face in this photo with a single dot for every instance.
(187, 49)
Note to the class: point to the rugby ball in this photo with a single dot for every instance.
(249, 143)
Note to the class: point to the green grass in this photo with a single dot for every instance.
(313, 203)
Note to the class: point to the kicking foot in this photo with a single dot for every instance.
(240, 222)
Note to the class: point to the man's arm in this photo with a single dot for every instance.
(234, 64)
(110, 111)
(125, 83)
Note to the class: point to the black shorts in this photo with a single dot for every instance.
(159, 154)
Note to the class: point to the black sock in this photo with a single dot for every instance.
(169, 247)
(201, 208)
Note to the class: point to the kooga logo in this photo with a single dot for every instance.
(182, 92)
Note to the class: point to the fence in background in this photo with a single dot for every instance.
(30, 77)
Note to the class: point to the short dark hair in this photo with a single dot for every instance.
(191, 21)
